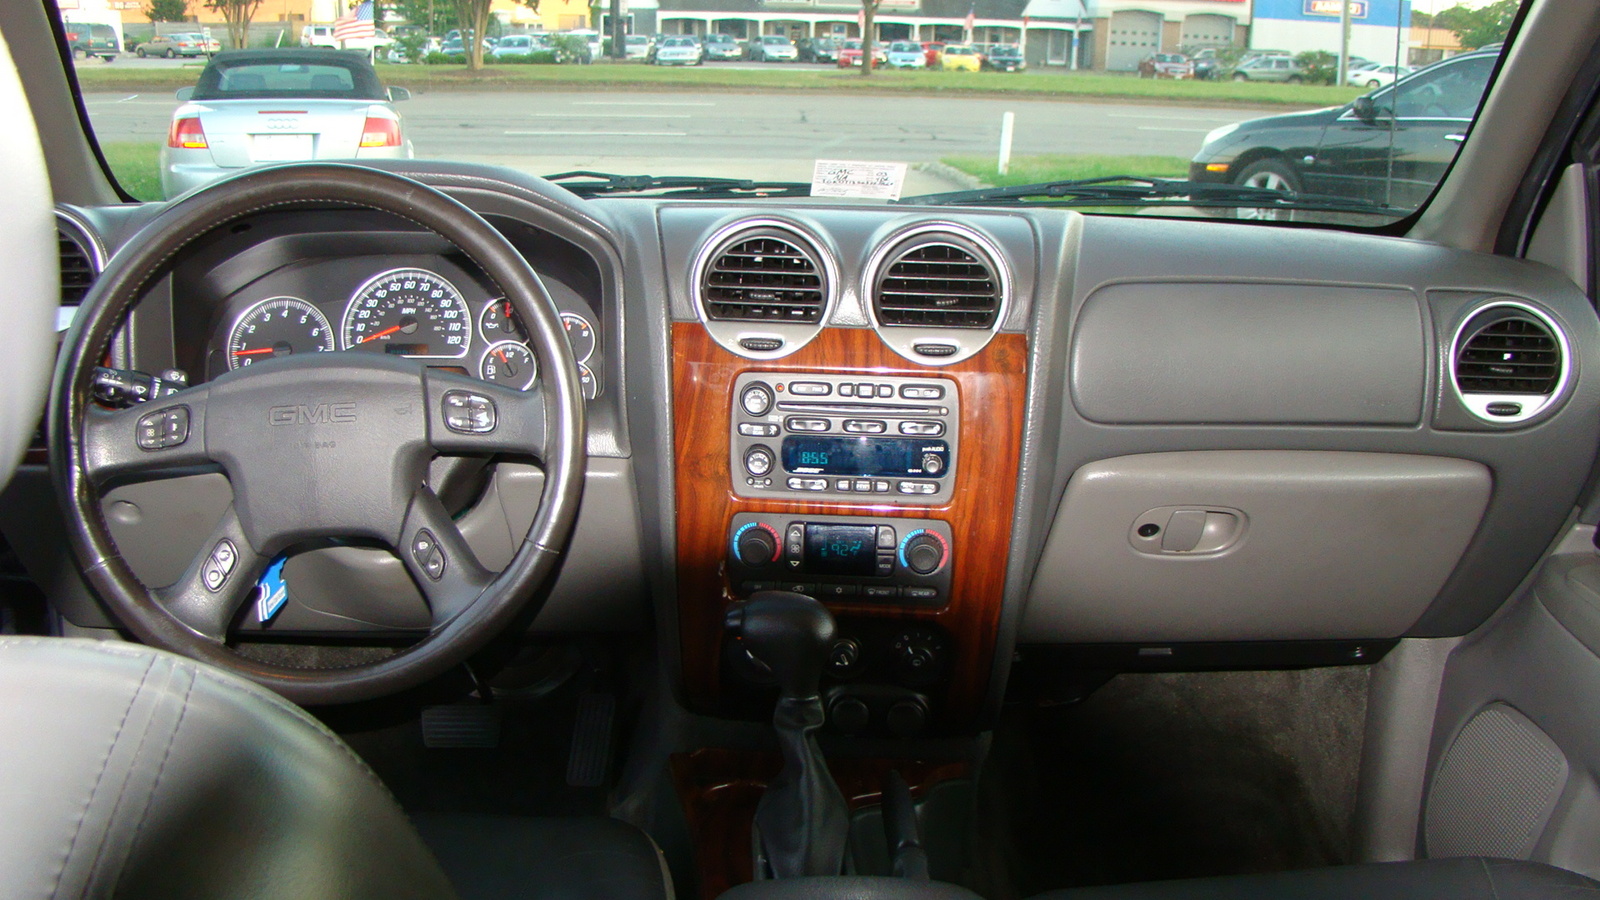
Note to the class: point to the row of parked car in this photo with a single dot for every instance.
(1266, 65)
(693, 50)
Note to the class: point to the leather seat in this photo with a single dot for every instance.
(1428, 879)
(126, 771)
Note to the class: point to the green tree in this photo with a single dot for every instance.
(869, 10)
(237, 13)
(1477, 27)
(437, 16)
(167, 11)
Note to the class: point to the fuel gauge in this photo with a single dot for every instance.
(508, 364)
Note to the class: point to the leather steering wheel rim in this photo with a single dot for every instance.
(73, 417)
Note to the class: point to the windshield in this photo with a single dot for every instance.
(1353, 127)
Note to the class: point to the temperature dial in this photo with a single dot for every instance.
(580, 335)
(755, 545)
(924, 552)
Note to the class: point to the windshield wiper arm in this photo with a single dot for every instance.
(593, 184)
(1133, 190)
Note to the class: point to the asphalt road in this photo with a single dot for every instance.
(588, 128)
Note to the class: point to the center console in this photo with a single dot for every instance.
(882, 487)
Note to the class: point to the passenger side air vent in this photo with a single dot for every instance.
(764, 277)
(940, 284)
(938, 292)
(764, 287)
(77, 267)
(1510, 362)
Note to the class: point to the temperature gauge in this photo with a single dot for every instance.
(509, 364)
(580, 335)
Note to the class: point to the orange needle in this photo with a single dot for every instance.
(252, 352)
(387, 331)
(502, 355)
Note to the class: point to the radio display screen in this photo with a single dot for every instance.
(841, 549)
(864, 456)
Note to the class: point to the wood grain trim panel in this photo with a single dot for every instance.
(992, 385)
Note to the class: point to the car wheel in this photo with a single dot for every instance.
(140, 53)
(1373, 83)
(1240, 76)
(171, 54)
(1270, 174)
(1294, 79)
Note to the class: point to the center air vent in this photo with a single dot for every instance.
(1510, 362)
(939, 282)
(77, 268)
(764, 276)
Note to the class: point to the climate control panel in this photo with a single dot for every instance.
(842, 559)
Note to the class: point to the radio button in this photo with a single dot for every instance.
(880, 487)
(758, 460)
(756, 398)
(922, 429)
(865, 426)
(864, 390)
(885, 390)
(797, 484)
(842, 485)
(758, 429)
(810, 388)
(848, 389)
(862, 487)
(932, 464)
(816, 484)
(880, 591)
(922, 392)
(917, 487)
(795, 423)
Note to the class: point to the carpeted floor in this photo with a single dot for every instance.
(1174, 775)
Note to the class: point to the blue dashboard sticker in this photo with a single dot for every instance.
(272, 592)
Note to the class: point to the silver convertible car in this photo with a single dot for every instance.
(237, 115)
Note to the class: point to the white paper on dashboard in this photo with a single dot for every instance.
(853, 178)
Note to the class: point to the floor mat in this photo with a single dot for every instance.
(1175, 775)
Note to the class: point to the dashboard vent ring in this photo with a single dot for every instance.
(764, 275)
(78, 268)
(1510, 362)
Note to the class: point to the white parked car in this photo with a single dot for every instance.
(774, 48)
(1378, 76)
(679, 50)
(259, 106)
(519, 45)
(322, 36)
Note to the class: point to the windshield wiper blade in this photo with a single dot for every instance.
(1134, 190)
(594, 184)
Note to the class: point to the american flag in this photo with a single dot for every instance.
(355, 25)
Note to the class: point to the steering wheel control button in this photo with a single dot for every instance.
(922, 429)
(810, 388)
(428, 555)
(163, 429)
(469, 413)
(219, 565)
(756, 399)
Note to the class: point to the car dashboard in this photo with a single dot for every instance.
(980, 436)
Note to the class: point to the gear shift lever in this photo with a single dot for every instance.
(801, 821)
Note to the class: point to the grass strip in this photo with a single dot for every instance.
(1061, 167)
(616, 76)
(137, 167)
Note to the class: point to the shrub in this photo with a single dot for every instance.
(1318, 67)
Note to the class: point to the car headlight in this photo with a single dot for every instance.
(1218, 134)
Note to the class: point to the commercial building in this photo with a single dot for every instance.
(1379, 29)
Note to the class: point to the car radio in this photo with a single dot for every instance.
(839, 437)
(891, 561)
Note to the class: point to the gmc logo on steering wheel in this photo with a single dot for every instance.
(320, 414)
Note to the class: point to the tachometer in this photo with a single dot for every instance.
(277, 326)
(408, 312)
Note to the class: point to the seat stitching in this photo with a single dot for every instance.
(89, 801)
(122, 794)
(1494, 891)
(155, 787)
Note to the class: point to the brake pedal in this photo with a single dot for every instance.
(590, 759)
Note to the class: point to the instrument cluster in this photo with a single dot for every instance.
(432, 311)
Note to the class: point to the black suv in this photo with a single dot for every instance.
(1389, 147)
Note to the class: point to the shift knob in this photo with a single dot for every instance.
(788, 633)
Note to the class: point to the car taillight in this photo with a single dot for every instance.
(380, 132)
(187, 134)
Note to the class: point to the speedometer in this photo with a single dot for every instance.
(408, 312)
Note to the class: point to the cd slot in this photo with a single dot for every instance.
(859, 409)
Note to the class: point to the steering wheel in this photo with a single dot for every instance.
(317, 446)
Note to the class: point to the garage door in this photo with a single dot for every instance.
(1134, 35)
(1206, 30)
